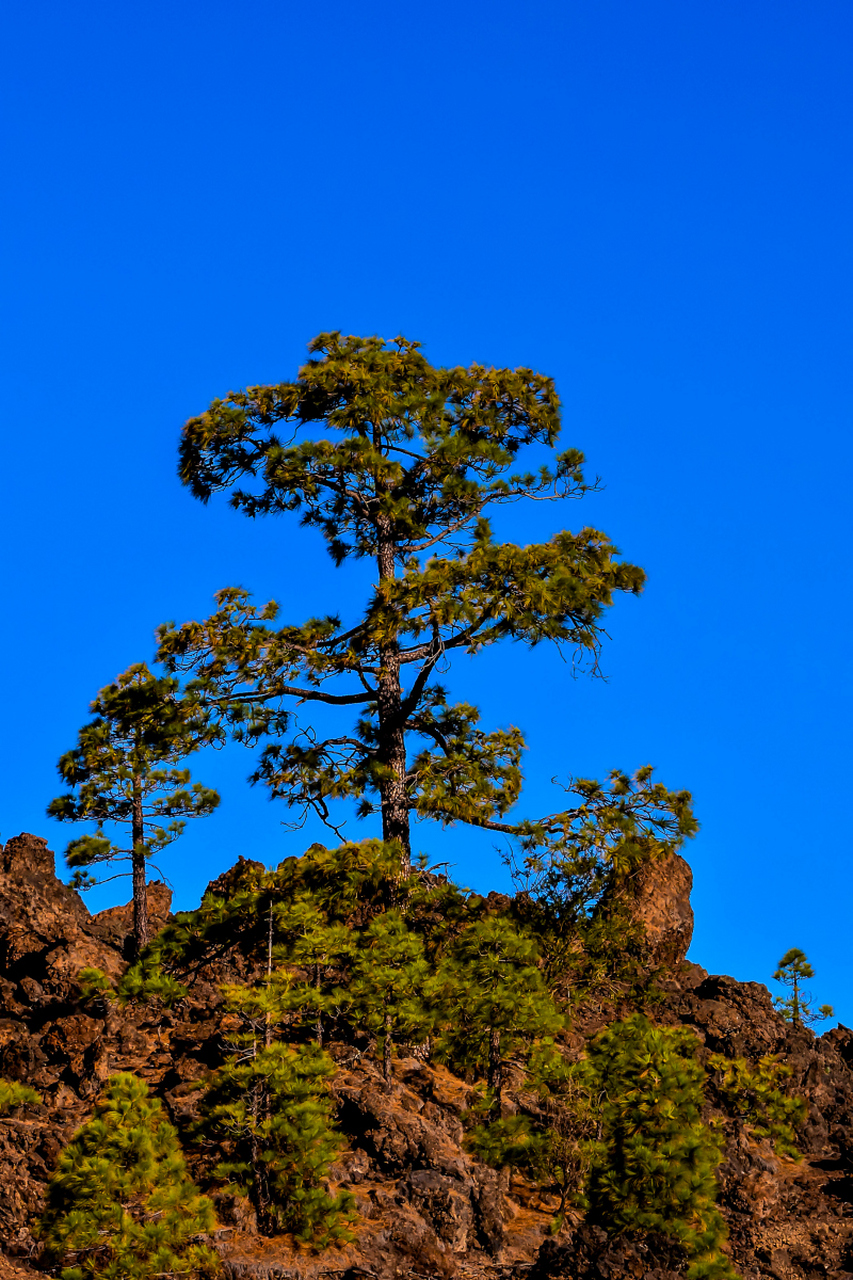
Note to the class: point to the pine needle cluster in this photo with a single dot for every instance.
(13, 1094)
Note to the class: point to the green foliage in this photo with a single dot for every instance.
(393, 459)
(575, 873)
(756, 1096)
(798, 1007)
(495, 1000)
(553, 1140)
(510, 1142)
(14, 1095)
(270, 1103)
(122, 773)
(655, 1167)
(329, 887)
(390, 990)
(95, 986)
(120, 1204)
(310, 956)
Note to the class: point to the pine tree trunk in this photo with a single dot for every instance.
(319, 1023)
(141, 931)
(259, 1194)
(386, 1051)
(495, 1074)
(392, 740)
(268, 1014)
(260, 1191)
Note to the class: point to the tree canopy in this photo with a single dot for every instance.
(122, 772)
(393, 459)
(799, 1007)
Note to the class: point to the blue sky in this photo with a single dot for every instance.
(651, 203)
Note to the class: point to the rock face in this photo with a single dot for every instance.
(115, 925)
(661, 903)
(589, 1254)
(426, 1208)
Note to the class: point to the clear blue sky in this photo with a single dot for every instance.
(650, 202)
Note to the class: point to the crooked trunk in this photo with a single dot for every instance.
(141, 931)
(392, 739)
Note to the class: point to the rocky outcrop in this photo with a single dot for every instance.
(426, 1208)
(660, 901)
(115, 925)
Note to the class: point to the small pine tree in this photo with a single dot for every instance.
(798, 1007)
(495, 1000)
(317, 948)
(121, 771)
(270, 1102)
(655, 1168)
(390, 985)
(121, 1204)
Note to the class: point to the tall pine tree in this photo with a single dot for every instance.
(399, 462)
(123, 773)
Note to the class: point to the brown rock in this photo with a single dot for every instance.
(589, 1254)
(445, 1203)
(661, 903)
(115, 924)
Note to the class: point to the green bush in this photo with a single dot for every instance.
(120, 1204)
(13, 1094)
(655, 1168)
(755, 1095)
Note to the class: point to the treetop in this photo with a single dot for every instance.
(425, 448)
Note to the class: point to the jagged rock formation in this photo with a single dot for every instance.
(427, 1209)
(661, 903)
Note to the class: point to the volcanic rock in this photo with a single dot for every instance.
(426, 1207)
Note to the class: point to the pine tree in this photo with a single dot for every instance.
(317, 948)
(495, 1001)
(122, 771)
(270, 1103)
(120, 1203)
(798, 1007)
(553, 1139)
(412, 459)
(655, 1169)
(390, 988)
